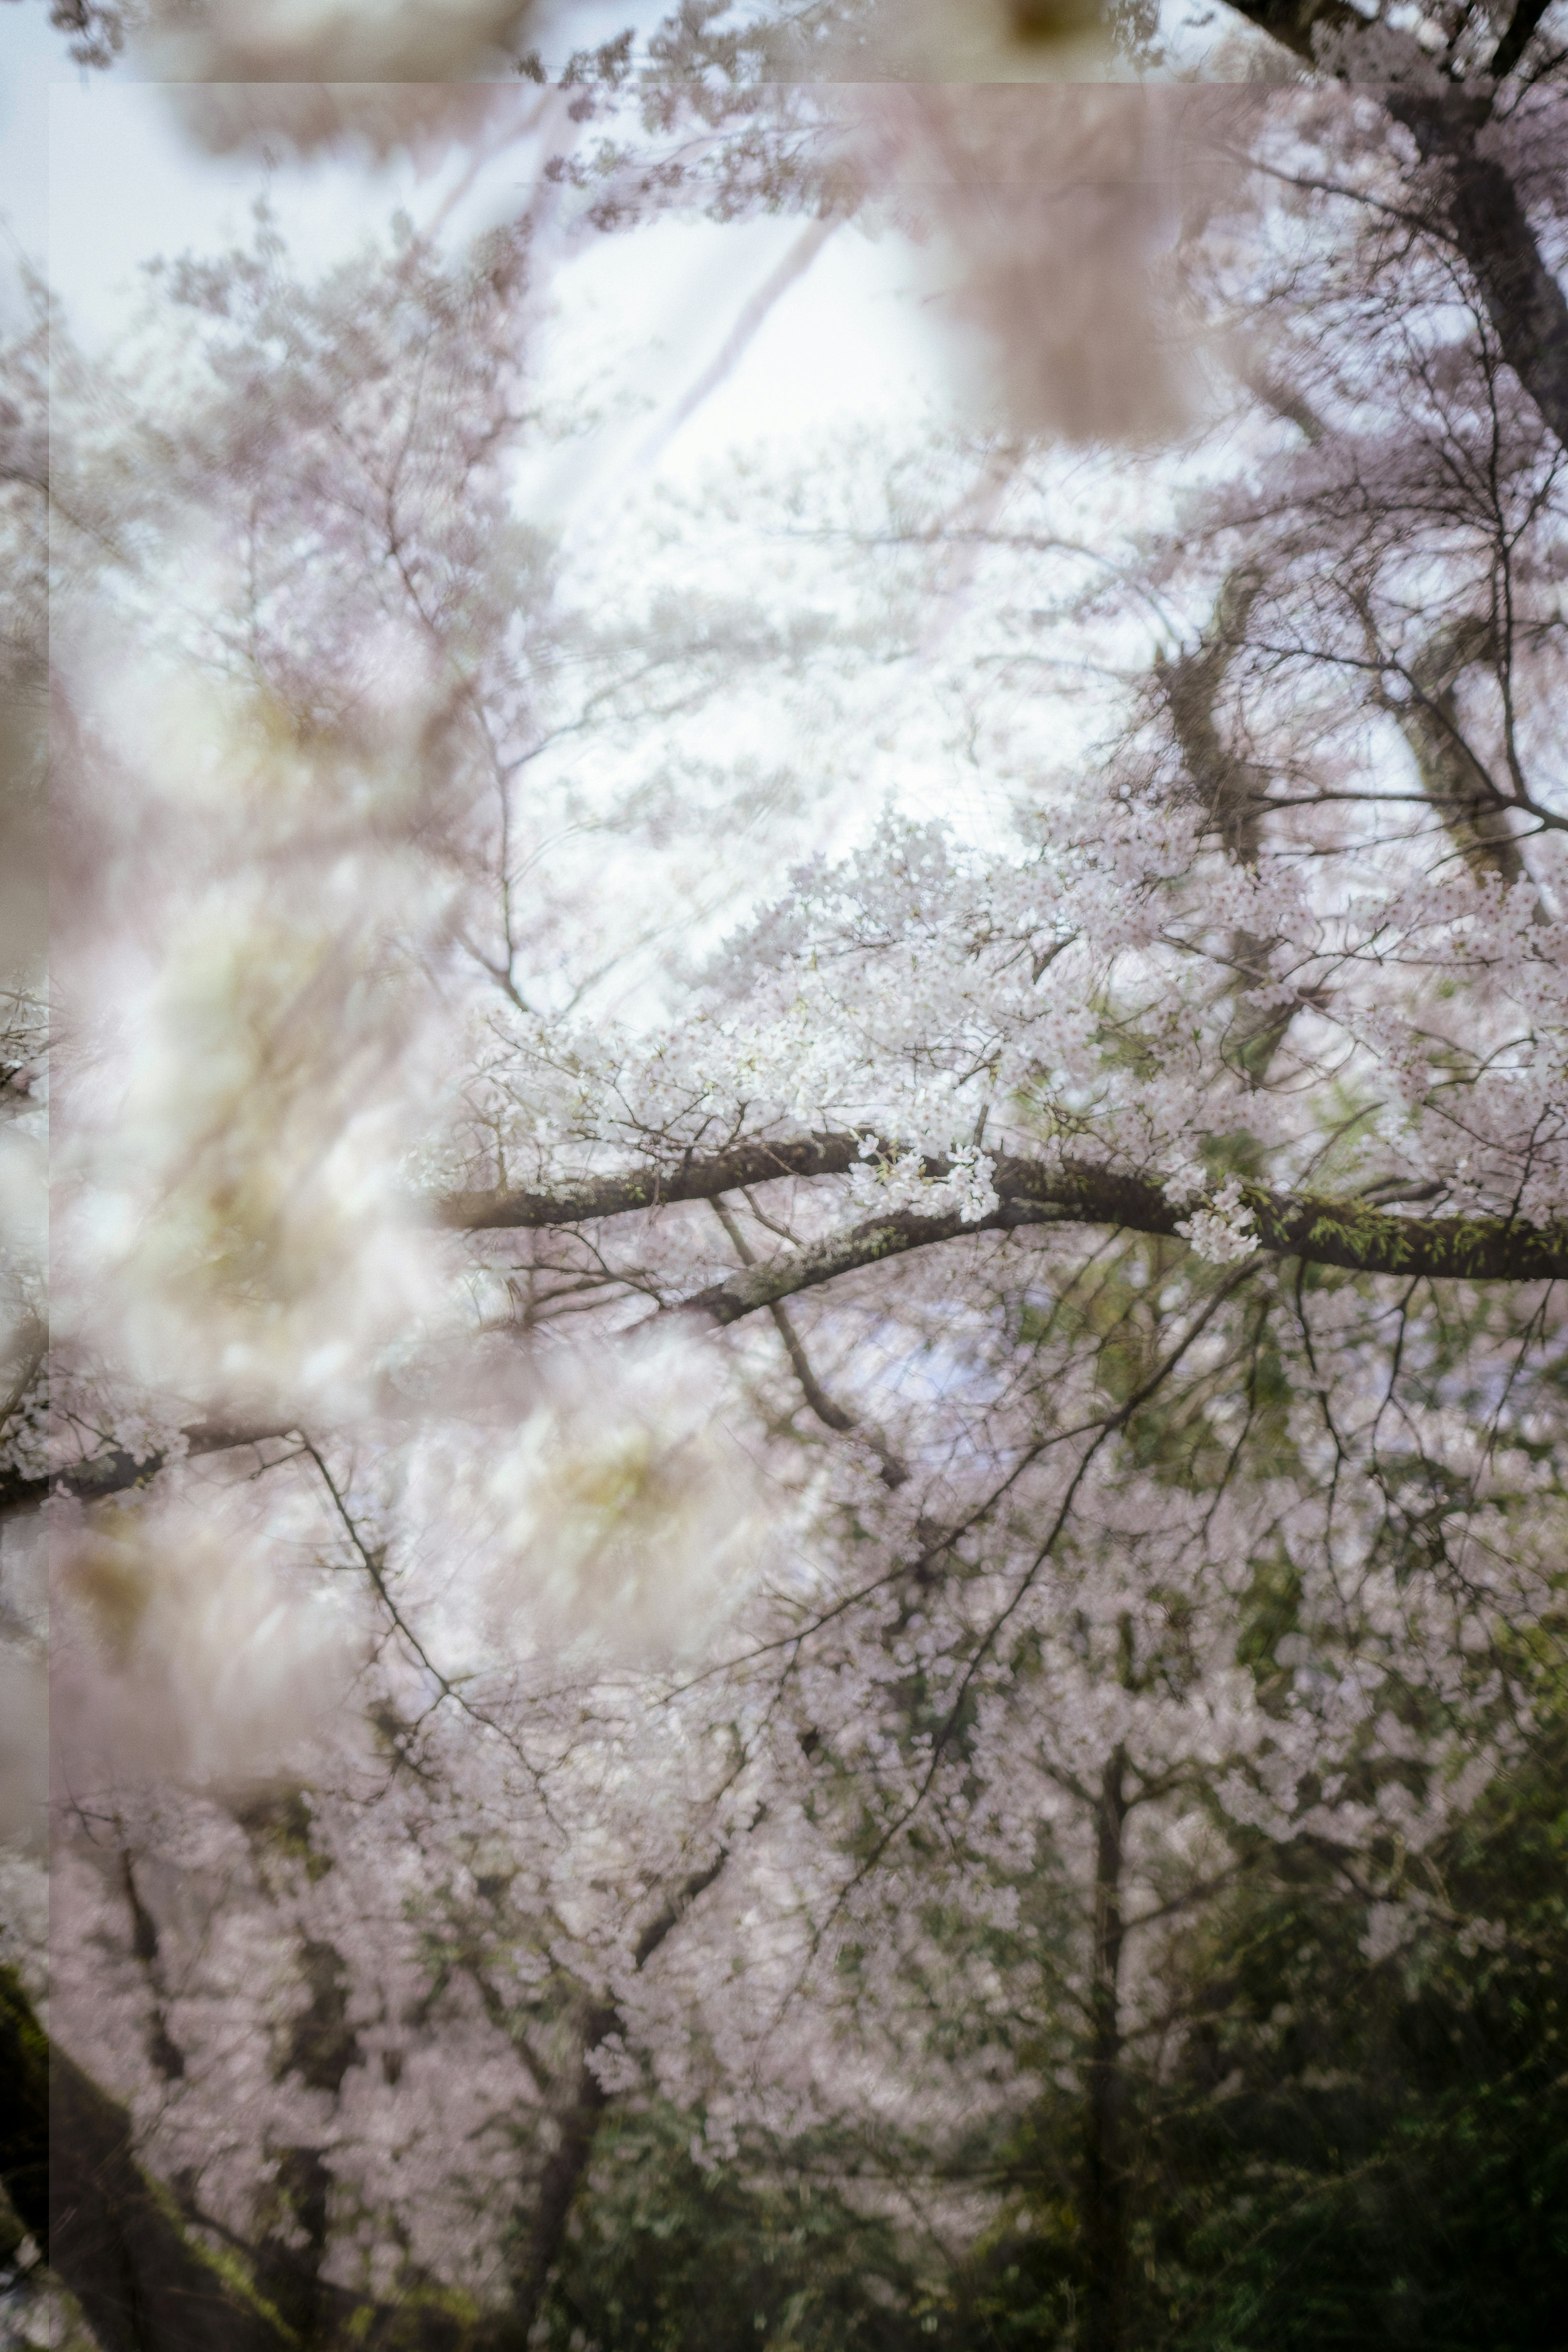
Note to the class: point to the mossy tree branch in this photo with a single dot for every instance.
(1324, 1231)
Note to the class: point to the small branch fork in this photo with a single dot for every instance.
(893, 1473)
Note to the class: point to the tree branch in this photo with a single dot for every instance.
(1523, 300)
(894, 1473)
(1299, 25)
(689, 1179)
(114, 1472)
(1473, 811)
(1517, 38)
(1352, 1234)
(1348, 1233)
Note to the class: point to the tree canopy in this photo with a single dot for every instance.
(784, 1378)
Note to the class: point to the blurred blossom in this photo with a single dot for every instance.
(952, 41)
(251, 1063)
(24, 1745)
(384, 117)
(619, 1512)
(183, 1649)
(1052, 219)
(335, 40)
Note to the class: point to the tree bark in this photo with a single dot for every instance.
(1105, 2214)
(1517, 38)
(1523, 300)
(1325, 1232)
(1349, 1235)
(1230, 793)
(690, 1177)
(577, 2121)
(113, 1472)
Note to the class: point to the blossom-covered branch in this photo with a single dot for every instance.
(1323, 1231)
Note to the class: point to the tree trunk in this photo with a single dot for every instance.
(577, 2121)
(1490, 226)
(1523, 300)
(1105, 2216)
(108, 2231)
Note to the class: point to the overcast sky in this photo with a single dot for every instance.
(97, 178)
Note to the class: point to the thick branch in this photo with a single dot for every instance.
(1105, 2168)
(1472, 811)
(1220, 781)
(1351, 1234)
(1523, 300)
(743, 1292)
(1302, 26)
(1347, 1234)
(1230, 792)
(1517, 38)
(832, 1415)
(689, 1179)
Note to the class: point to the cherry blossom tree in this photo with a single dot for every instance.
(771, 1517)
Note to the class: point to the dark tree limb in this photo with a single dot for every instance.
(688, 1179)
(1485, 219)
(577, 2121)
(1233, 798)
(1302, 26)
(115, 2237)
(894, 1473)
(108, 2232)
(1105, 2184)
(1473, 813)
(1325, 1232)
(1517, 38)
(116, 1471)
(1351, 1234)
(1523, 300)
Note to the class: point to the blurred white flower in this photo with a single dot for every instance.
(1221, 1229)
(313, 71)
(252, 1064)
(618, 1512)
(182, 1648)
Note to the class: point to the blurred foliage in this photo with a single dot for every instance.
(1366, 2157)
(678, 2256)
